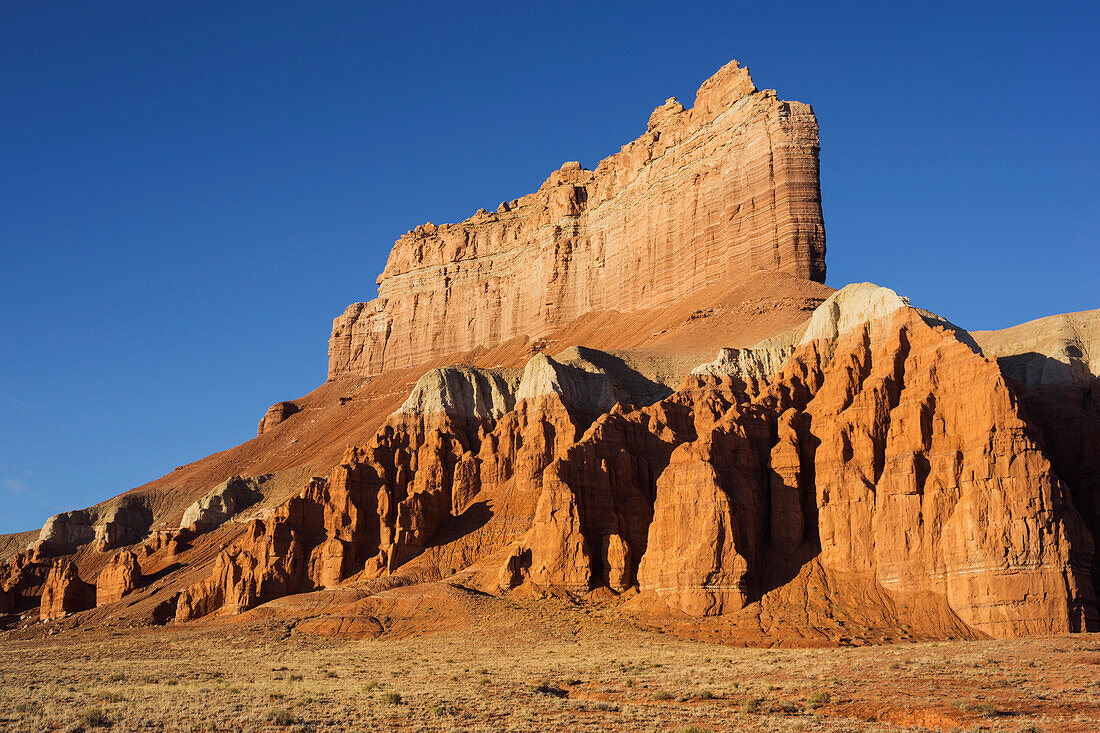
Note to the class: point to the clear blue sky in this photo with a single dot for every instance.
(191, 191)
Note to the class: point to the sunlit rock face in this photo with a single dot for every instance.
(707, 194)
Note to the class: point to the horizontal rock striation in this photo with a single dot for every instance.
(727, 187)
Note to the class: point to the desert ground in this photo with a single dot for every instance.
(518, 665)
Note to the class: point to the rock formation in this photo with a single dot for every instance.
(727, 187)
(224, 501)
(120, 577)
(21, 582)
(857, 463)
(65, 593)
(115, 524)
(885, 450)
(276, 414)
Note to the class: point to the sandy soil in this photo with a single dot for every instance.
(532, 666)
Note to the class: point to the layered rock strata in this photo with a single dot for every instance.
(727, 187)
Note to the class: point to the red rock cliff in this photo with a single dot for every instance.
(727, 187)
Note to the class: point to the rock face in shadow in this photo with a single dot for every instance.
(727, 187)
(21, 582)
(1053, 367)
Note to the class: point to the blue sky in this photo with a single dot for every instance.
(191, 191)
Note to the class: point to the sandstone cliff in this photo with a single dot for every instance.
(727, 187)
(629, 388)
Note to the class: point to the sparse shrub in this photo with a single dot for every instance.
(572, 682)
(662, 695)
(818, 699)
(31, 707)
(281, 716)
(630, 682)
(607, 707)
(705, 695)
(172, 682)
(372, 686)
(109, 696)
(393, 698)
(117, 677)
(694, 729)
(985, 709)
(295, 678)
(276, 696)
(330, 674)
(545, 688)
(94, 718)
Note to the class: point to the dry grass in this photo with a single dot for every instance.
(563, 671)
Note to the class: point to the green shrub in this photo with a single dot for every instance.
(985, 709)
(393, 698)
(280, 716)
(94, 718)
(545, 688)
(662, 695)
(750, 705)
(818, 699)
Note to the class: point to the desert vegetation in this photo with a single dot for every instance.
(564, 669)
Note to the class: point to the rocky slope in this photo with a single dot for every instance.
(685, 428)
